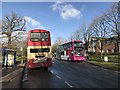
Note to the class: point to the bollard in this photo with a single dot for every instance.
(106, 59)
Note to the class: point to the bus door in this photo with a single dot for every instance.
(64, 55)
(71, 54)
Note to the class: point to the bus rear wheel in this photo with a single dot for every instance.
(46, 68)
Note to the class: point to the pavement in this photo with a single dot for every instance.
(11, 76)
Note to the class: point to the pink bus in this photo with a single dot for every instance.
(71, 51)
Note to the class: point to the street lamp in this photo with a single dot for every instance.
(21, 49)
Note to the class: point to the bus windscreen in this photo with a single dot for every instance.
(78, 44)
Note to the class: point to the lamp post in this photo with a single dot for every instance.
(21, 49)
(21, 37)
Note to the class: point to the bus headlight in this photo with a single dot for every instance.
(72, 52)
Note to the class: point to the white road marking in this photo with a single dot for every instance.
(58, 77)
(116, 71)
(61, 79)
(25, 79)
(51, 71)
(68, 84)
(93, 66)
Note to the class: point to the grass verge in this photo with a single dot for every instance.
(107, 65)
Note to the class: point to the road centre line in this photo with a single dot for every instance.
(68, 84)
(51, 71)
(58, 77)
(61, 79)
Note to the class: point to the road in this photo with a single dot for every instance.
(64, 74)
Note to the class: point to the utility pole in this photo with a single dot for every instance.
(21, 49)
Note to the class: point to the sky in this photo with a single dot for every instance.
(60, 18)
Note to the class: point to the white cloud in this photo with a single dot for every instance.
(32, 23)
(67, 11)
(57, 6)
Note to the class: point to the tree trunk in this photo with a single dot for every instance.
(101, 47)
(117, 46)
(9, 43)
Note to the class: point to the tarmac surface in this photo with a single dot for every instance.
(65, 74)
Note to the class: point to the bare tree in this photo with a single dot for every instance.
(10, 24)
(58, 41)
(111, 18)
(71, 37)
(79, 33)
(101, 31)
(88, 33)
(84, 33)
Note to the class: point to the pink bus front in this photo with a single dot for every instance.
(72, 51)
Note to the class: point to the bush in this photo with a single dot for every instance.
(111, 53)
(18, 59)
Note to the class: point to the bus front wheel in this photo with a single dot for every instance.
(68, 59)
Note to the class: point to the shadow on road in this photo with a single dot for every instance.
(40, 78)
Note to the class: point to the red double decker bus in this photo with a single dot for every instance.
(39, 49)
(71, 51)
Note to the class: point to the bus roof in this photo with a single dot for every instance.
(36, 30)
(70, 41)
(76, 41)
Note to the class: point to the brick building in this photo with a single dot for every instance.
(109, 45)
